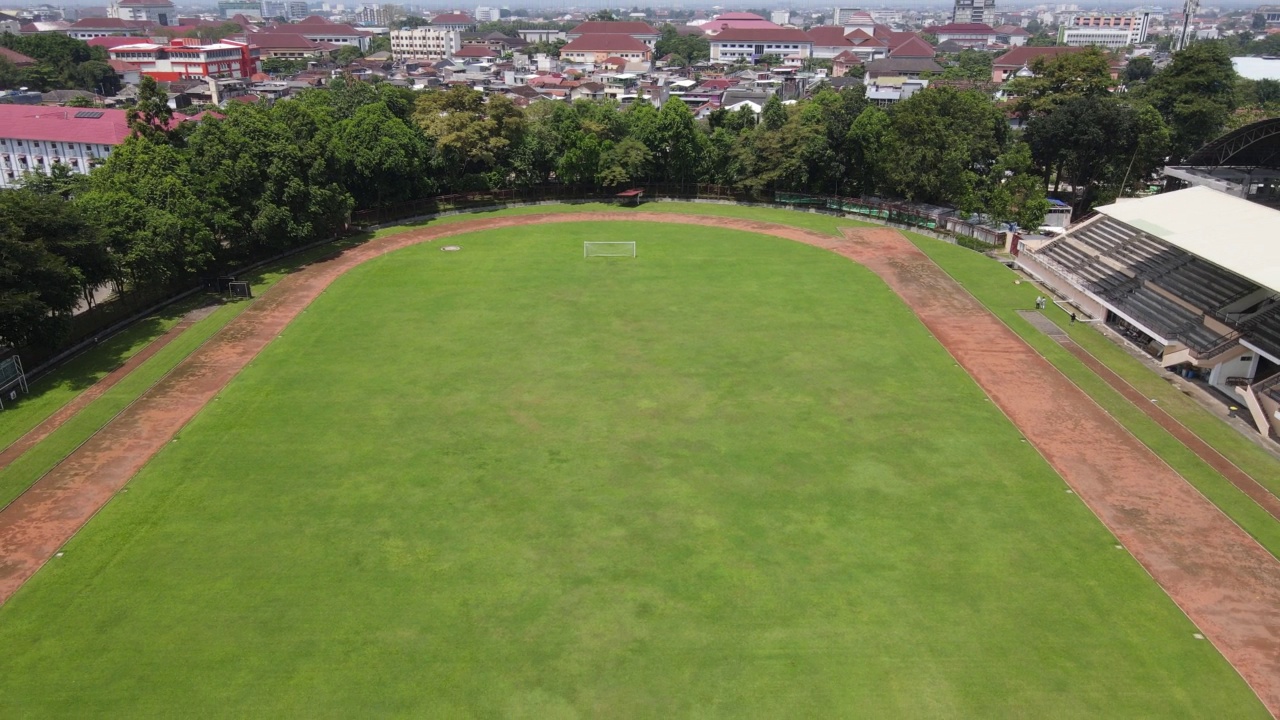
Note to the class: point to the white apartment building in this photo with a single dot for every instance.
(488, 13)
(36, 139)
(732, 44)
(159, 12)
(974, 11)
(1100, 37)
(1135, 24)
(424, 43)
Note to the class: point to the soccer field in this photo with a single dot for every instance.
(730, 477)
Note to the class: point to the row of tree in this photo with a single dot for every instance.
(175, 202)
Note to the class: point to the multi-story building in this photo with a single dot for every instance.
(159, 12)
(596, 48)
(90, 28)
(274, 9)
(642, 31)
(36, 139)
(424, 43)
(9, 24)
(780, 17)
(1099, 37)
(461, 22)
(187, 59)
(1136, 24)
(974, 11)
(488, 13)
(378, 15)
(251, 9)
(296, 9)
(965, 34)
(733, 44)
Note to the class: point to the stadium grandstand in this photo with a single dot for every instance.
(1244, 163)
(1192, 276)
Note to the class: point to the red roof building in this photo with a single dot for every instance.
(187, 59)
(740, 20)
(596, 48)
(476, 52)
(89, 28)
(35, 139)
(641, 31)
(461, 22)
(1004, 67)
(16, 57)
(965, 34)
(914, 47)
(744, 44)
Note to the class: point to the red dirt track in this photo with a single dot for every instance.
(33, 436)
(1226, 583)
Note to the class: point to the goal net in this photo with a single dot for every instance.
(608, 249)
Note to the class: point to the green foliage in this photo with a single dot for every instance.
(939, 143)
(1042, 39)
(690, 47)
(1195, 93)
(773, 115)
(970, 65)
(474, 136)
(347, 54)
(1139, 69)
(63, 64)
(1015, 193)
(151, 117)
(283, 66)
(49, 255)
(1057, 79)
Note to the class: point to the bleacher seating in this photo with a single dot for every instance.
(1104, 235)
(1266, 333)
(1166, 316)
(1205, 285)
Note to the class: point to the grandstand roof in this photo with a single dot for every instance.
(1254, 145)
(1232, 233)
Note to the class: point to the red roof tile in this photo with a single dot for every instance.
(614, 27)
(110, 24)
(605, 43)
(26, 122)
(791, 35)
(966, 28)
(913, 47)
(16, 57)
(475, 51)
(314, 20)
(829, 36)
(453, 19)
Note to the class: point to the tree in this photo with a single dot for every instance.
(283, 66)
(605, 15)
(1195, 94)
(865, 142)
(970, 65)
(1015, 193)
(678, 151)
(774, 114)
(623, 162)
(347, 54)
(940, 142)
(691, 47)
(1042, 39)
(769, 60)
(383, 160)
(1259, 22)
(1054, 80)
(473, 136)
(151, 117)
(1139, 69)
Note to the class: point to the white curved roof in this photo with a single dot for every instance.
(1232, 233)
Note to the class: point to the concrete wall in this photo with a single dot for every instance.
(1033, 267)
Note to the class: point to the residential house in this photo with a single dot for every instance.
(1007, 65)
(973, 35)
(596, 48)
(829, 41)
(16, 58)
(886, 69)
(842, 64)
(1012, 36)
(913, 47)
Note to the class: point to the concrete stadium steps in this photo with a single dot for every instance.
(1204, 285)
(1266, 333)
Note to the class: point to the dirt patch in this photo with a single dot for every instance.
(1225, 582)
(93, 392)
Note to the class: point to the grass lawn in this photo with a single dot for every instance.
(731, 477)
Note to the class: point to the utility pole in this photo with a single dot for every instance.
(1189, 9)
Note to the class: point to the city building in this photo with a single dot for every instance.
(965, 34)
(1007, 65)
(36, 139)
(424, 43)
(1136, 25)
(974, 11)
(733, 44)
(89, 28)
(642, 31)
(739, 20)
(289, 46)
(488, 13)
(779, 17)
(461, 22)
(599, 47)
(317, 29)
(1012, 35)
(159, 12)
(1094, 37)
(296, 9)
(249, 8)
(536, 35)
(10, 24)
(187, 59)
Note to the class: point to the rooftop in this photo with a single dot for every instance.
(605, 43)
(762, 35)
(61, 124)
(614, 27)
(1230, 232)
(968, 28)
(1023, 55)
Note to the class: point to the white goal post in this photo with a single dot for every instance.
(608, 249)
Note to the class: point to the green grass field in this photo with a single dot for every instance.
(732, 477)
